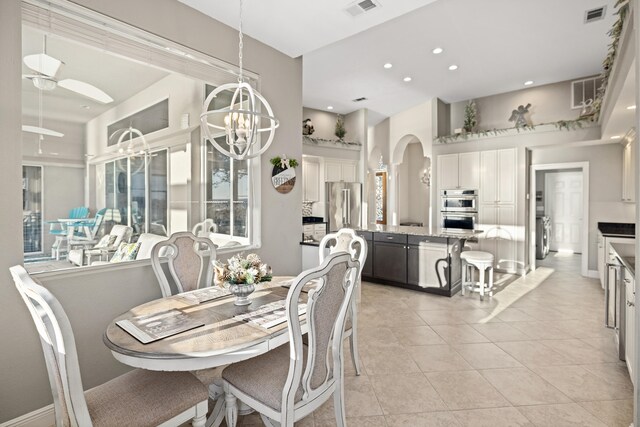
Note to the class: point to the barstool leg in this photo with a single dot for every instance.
(481, 283)
(491, 281)
(464, 277)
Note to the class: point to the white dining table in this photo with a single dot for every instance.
(221, 341)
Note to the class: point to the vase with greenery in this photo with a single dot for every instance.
(470, 117)
(340, 130)
(241, 275)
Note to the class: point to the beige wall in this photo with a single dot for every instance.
(549, 103)
(605, 194)
(24, 386)
(413, 195)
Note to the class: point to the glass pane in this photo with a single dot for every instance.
(241, 198)
(121, 183)
(109, 185)
(219, 189)
(379, 186)
(32, 208)
(158, 184)
(138, 189)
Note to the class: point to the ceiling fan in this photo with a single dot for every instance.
(46, 77)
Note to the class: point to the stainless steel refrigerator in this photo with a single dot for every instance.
(344, 205)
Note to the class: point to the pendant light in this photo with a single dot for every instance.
(131, 149)
(242, 120)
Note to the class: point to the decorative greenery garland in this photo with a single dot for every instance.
(277, 161)
(607, 64)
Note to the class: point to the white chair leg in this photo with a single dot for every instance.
(481, 283)
(201, 415)
(232, 409)
(338, 403)
(353, 341)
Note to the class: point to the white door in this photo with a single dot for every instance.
(563, 205)
(332, 171)
(349, 172)
(311, 181)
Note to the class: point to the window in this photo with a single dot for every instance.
(149, 120)
(32, 208)
(227, 194)
(381, 197)
(136, 192)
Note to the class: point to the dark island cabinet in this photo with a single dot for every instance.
(413, 265)
(367, 270)
(390, 262)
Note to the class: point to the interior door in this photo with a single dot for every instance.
(563, 202)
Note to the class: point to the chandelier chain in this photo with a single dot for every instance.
(240, 44)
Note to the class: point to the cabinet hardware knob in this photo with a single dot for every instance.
(630, 304)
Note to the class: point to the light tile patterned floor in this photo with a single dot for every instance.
(537, 354)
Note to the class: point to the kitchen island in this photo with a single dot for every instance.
(419, 258)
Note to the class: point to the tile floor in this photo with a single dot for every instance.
(536, 354)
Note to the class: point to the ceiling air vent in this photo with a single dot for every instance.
(360, 7)
(594, 14)
(359, 99)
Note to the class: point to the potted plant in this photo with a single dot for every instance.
(241, 275)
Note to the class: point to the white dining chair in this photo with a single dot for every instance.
(346, 240)
(290, 382)
(137, 398)
(189, 260)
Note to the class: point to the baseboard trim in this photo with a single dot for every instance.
(593, 274)
(43, 417)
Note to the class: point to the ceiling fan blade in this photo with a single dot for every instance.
(85, 89)
(43, 64)
(41, 131)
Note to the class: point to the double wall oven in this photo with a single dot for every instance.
(459, 209)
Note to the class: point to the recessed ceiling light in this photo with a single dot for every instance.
(528, 83)
(615, 137)
(407, 79)
(85, 107)
(631, 107)
(437, 51)
(453, 67)
(330, 107)
(388, 65)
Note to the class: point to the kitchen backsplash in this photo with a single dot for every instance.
(307, 208)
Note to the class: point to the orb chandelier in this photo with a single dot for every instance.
(131, 147)
(242, 120)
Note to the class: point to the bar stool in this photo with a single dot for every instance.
(482, 261)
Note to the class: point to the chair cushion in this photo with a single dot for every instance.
(106, 241)
(264, 377)
(75, 256)
(125, 252)
(143, 398)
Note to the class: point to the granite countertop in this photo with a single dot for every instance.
(625, 252)
(420, 231)
(617, 229)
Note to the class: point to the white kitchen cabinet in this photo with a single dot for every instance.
(311, 181)
(630, 321)
(601, 260)
(497, 211)
(628, 172)
(336, 170)
(498, 176)
(459, 171)
(469, 170)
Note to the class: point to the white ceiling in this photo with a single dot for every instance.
(298, 27)
(497, 44)
(118, 77)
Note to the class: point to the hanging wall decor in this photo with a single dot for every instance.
(283, 176)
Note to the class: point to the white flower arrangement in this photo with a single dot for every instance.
(242, 271)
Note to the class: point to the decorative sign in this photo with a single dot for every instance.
(283, 180)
